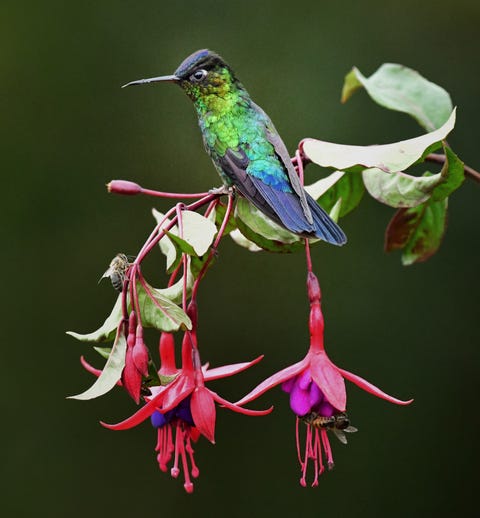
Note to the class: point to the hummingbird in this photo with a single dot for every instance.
(245, 147)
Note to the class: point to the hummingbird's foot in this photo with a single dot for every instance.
(221, 190)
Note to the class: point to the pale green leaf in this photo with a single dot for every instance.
(110, 374)
(400, 88)
(261, 224)
(350, 85)
(175, 291)
(107, 330)
(159, 311)
(321, 186)
(335, 211)
(241, 240)
(166, 246)
(452, 174)
(399, 189)
(388, 157)
(348, 187)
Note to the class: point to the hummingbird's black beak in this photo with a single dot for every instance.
(171, 79)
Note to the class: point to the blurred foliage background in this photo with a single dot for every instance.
(68, 129)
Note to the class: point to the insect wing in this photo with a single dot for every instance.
(340, 435)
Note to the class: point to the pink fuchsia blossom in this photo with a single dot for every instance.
(317, 391)
(185, 408)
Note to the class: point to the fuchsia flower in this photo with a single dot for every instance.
(184, 409)
(317, 392)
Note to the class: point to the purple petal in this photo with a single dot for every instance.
(300, 400)
(304, 380)
(315, 395)
(288, 385)
(325, 409)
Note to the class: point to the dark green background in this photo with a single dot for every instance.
(67, 129)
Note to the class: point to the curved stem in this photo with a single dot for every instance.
(308, 256)
(175, 195)
(214, 247)
(441, 159)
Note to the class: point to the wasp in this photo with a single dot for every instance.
(117, 271)
(338, 423)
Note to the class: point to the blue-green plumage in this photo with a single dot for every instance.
(246, 149)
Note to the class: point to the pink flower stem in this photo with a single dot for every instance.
(174, 275)
(134, 294)
(212, 205)
(308, 256)
(157, 235)
(175, 195)
(179, 208)
(151, 297)
(214, 247)
(299, 165)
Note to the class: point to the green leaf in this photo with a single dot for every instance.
(452, 173)
(417, 230)
(175, 291)
(399, 88)
(320, 187)
(347, 187)
(261, 224)
(400, 189)
(181, 245)
(271, 245)
(198, 235)
(166, 246)
(159, 311)
(107, 330)
(335, 211)
(218, 215)
(350, 85)
(111, 373)
(262, 231)
(388, 157)
(241, 240)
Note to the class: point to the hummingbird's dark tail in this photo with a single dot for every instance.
(285, 208)
(325, 227)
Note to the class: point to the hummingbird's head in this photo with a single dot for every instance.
(202, 75)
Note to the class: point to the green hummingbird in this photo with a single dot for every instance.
(245, 147)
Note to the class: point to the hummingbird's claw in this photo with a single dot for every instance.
(221, 190)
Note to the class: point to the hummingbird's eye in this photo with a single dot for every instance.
(198, 75)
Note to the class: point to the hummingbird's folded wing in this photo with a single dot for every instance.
(284, 208)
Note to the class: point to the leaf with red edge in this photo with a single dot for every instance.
(372, 389)
(107, 330)
(203, 411)
(417, 230)
(111, 373)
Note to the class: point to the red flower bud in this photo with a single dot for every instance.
(140, 353)
(313, 287)
(124, 187)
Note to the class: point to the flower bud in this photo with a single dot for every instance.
(313, 287)
(140, 353)
(124, 187)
